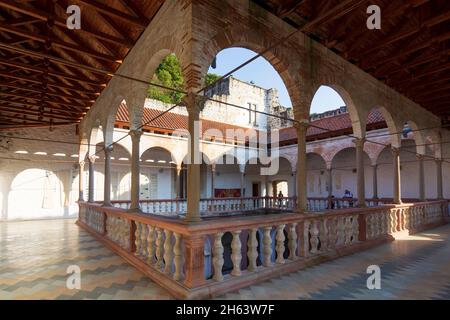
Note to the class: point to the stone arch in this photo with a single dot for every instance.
(317, 157)
(110, 120)
(95, 136)
(163, 154)
(358, 126)
(281, 57)
(417, 136)
(288, 165)
(395, 126)
(44, 193)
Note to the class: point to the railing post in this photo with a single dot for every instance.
(194, 260)
(218, 256)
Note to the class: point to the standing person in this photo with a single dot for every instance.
(280, 198)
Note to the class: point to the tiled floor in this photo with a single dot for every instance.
(35, 256)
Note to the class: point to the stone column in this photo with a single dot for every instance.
(107, 190)
(301, 165)
(397, 196)
(91, 161)
(177, 187)
(194, 104)
(242, 184)
(135, 170)
(375, 181)
(440, 194)
(81, 181)
(330, 182)
(177, 182)
(421, 177)
(294, 184)
(213, 175)
(330, 188)
(360, 183)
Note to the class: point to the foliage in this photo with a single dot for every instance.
(169, 75)
(211, 78)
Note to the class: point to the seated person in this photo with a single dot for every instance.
(348, 196)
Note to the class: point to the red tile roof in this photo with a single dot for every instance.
(171, 121)
(336, 124)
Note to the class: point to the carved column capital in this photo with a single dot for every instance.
(359, 142)
(194, 103)
(395, 151)
(91, 159)
(301, 125)
(135, 134)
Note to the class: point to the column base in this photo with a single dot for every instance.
(107, 204)
(135, 210)
(194, 219)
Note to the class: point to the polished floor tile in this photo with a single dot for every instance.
(35, 256)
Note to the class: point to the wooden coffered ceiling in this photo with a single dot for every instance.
(50, 75)
(410, 53)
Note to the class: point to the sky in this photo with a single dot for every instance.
(264, 75)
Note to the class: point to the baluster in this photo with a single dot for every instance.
(332, 233)
(236, 255)
(306, 227)
(267, 242)
(144, 230)
(406, 218)
(348, 230)
(323, 224)
(293, 241)
(168, 254)
(178, 257)
(340, 232)
(252, 252)
(280, 243)
(314, 237)
(151, 245)
(392, 221)
(218, 257)
(159, 248)
(355, 227)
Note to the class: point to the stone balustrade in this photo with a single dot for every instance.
(210, 206)
(221, 254)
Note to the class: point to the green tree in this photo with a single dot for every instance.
(167, 74)
(211, 78)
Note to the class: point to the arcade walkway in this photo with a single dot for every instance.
(35, 256)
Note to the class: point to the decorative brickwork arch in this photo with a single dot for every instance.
(395, 125)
